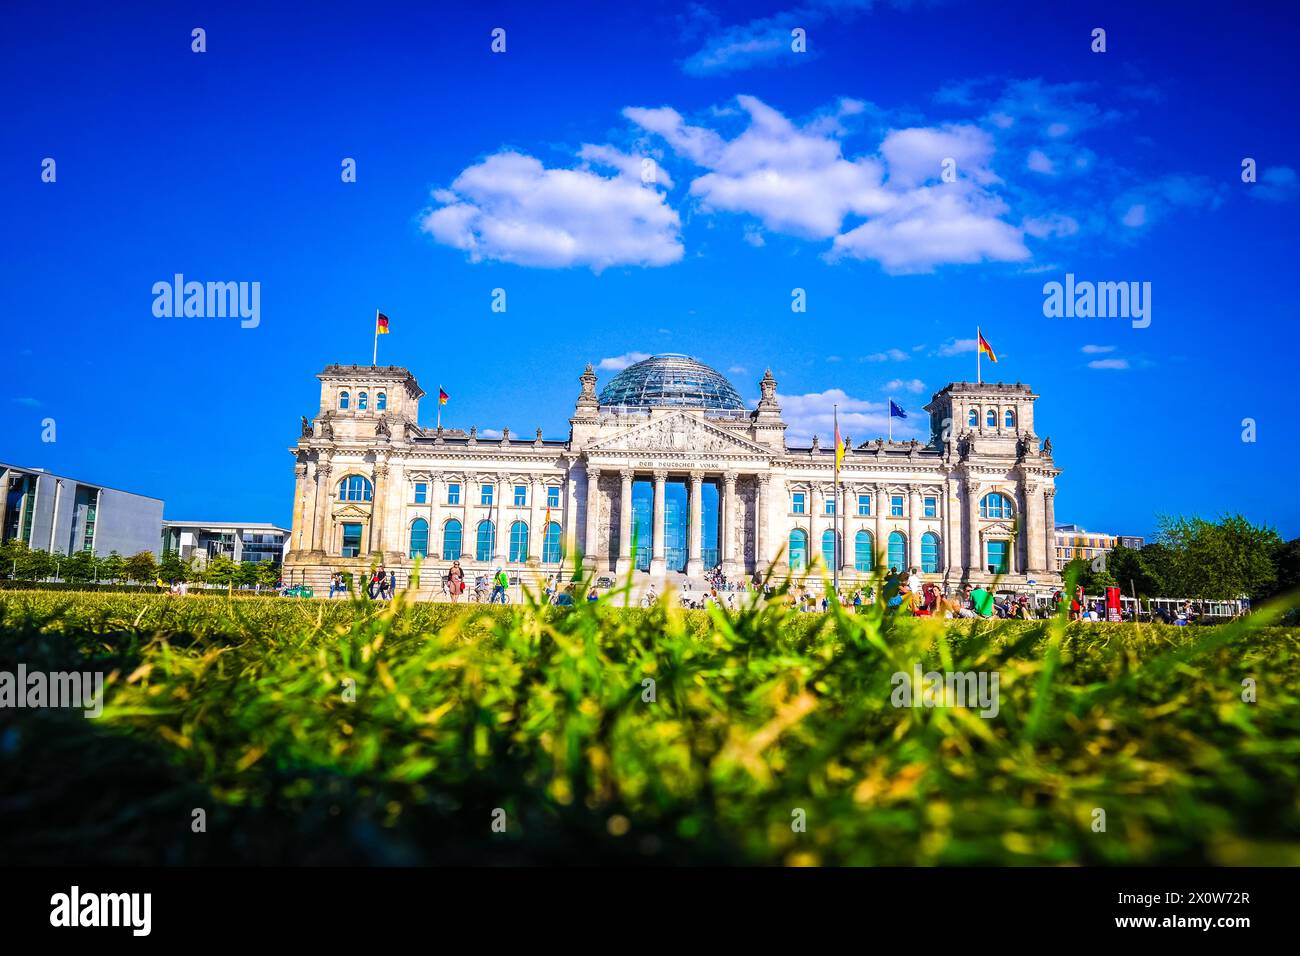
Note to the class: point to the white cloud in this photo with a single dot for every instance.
(766, 40)
(1096, 349)
(632, 167)
(616, 363)
(912, 385)
(489, 433)
(1276, 184)
(511, 208)
(814, 414)
(889, 355)
(1109, 363)
(1055, 224)
(957, 347)
(796, 180)
(28, 401)
(738, 370)
(1136, 216)
(1040, 162)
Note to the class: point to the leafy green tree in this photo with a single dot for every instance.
(141, 567)
(1131, 568)
(112, 568)
(36, 565)
(80, 567)
(1222, 560)
(247, 574)
(13, 555)
(268, 573)
(1092, 579)
(172, 568)
(221, 570)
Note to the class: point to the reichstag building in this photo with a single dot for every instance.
(667, 473)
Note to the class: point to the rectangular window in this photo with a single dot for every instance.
(351, 540)
(421, 492)
(453, 493)
(552, 497)
(521, 495)
(864, 505)
(485, 495)
(997, 552)
(830, 506)
(896, 506)
(931, 507)
(796, 502)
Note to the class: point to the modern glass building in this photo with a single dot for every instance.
(673, 381)
(238, 541)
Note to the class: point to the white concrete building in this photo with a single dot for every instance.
(667, 472)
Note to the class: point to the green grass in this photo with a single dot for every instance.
(238, 706)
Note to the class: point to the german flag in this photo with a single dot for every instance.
(986, 348)
(381, 324)
(443, 397)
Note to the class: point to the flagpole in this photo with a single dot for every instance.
(977, 355)
(891, 419)
(374, 359)
(439, 403)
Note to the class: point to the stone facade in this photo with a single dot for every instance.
(367, 474)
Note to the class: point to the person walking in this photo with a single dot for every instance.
(455, 581)
(500, 581)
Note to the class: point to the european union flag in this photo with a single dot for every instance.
(895, 411)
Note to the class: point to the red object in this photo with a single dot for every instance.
(1113, 610)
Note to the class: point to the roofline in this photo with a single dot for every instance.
(90, 484)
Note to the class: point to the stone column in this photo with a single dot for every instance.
(569, 523)
(503, 521)
(1049, 507)
(695, 539)
(298, 532)
(536, 532)
(974, 557)
(321, 507)
(658, 560)
(379, 479)
(591, 550)
(878, 505)
(913, 529)
(625, 557)
(847, 498)
(1032, 534)
(762, 536)
(468, 529)
(727, 525)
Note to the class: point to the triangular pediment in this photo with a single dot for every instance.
(680, 432)
(351, 511)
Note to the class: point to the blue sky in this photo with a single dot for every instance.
(773, 170)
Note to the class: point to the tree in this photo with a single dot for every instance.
(268, 573)
(221, 570)
(141, 567)
(172, 568)
(247, 574)
(1220, 561)
(80, 567)
(13, 557)
(112, 568)
(1131, 569)
(1092, 579)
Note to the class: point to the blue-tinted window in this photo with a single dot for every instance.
(419, 538)
(995, 505)
(451, 538)
(485, 495)
(864, 505)
(997, 555)
(552, 497)
(518, 543)
(797, 502)
(829, 506)
(863, 553)
(355, 488)
(351, 540)
(521, 495)
(363, 401)
(930, 552)
(551, 544)
(897, 551)
(343, 400)
(829, 556)
(486, 544)
(421, 492)
(896, 506)
(381, 401)
(798, 549)
(453, 493)
(930, 506)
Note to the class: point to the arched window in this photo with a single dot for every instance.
(973, 418)
(864, 558)
(355, 488)
(343, 399)
(898, 551)
(930, 552)
(518, 543)
(829, 556)
(363, 399)
(487, 541)
(419, 538)
(381, 401)
(798, 549)
(551, 544)
(990, 417)
(1009, 419)
(995, 505)
(451, 538)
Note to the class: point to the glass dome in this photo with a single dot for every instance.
(671, 380)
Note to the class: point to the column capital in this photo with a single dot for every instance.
(661, 475)
(764, 478)
(627, 474)
(323, 469)
(729, 478)
(697, 477)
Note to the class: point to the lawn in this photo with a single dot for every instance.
(342, 732)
